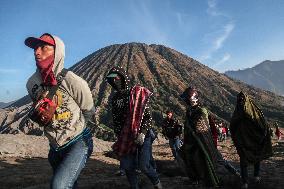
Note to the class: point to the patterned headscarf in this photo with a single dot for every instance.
(191, 93)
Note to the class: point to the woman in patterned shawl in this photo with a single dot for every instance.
(198, 152)
(250, 134)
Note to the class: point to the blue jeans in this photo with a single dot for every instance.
(68, 162)
(144, 157)
(175, 145)
(152, 162)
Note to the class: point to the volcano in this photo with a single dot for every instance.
(164, 71)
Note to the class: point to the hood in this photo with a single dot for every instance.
(124, 83)
(59, 55)
(250, 111)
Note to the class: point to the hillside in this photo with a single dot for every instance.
(267, 75)
(166, 73)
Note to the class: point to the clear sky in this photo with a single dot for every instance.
(222, 34)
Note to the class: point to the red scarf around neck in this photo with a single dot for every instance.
(45, 68)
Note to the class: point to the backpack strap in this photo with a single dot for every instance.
(59, 79)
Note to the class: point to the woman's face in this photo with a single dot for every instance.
(193, 100)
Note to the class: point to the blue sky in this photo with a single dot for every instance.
(224, 35)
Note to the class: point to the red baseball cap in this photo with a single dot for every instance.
(45, 38)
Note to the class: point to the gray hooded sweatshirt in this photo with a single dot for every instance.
(73, 98)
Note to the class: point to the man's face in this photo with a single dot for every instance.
(43, 51)
(116, 82)
(169, 115)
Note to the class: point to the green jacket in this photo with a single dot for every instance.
(198, 151)
(250, 132)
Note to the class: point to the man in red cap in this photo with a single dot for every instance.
(63, 105)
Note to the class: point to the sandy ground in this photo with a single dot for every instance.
(24, 164)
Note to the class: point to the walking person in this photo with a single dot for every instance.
(220, 132)
(224, 132)
(198, 151)
(172, 130)
(62, 105)
(251, 136)
(132, 122)
(278, 133)
(213, 128)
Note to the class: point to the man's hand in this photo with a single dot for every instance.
(140, 139)
(90, 115)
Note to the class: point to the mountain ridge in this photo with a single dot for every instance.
(5, 104)
(267, 75)
(166, 72)
(160, 61)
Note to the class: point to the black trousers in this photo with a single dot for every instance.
(244, 169)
